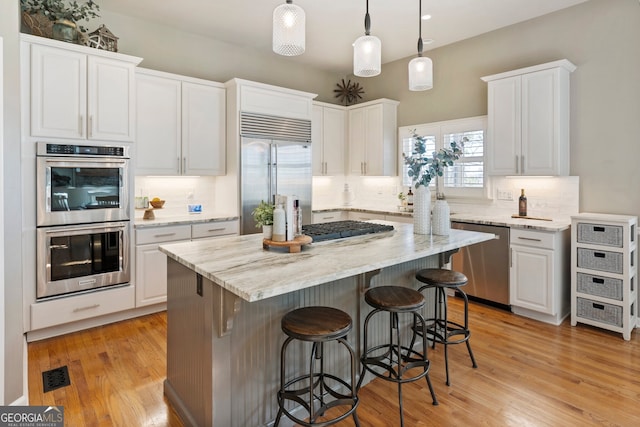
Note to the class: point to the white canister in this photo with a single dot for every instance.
(440, 222)
(279, 225)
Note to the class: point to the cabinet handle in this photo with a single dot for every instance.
(530, 238)
(80, 120)
(90, 127)
(600, 229)
(212, 230)
(89, 307)
(598, 306)
(179, 163)
(365, 168)
(599, 255)
(521, 164)
(517, 165)
(184, 165)
(598, 280)
(164, 235)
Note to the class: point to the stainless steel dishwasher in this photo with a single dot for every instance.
(485, 264)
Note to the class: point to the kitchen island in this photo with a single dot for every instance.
(226, 298)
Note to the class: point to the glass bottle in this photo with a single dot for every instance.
(522, 204)
(410, 197)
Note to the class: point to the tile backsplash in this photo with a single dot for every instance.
(177, 191)
(546, 196)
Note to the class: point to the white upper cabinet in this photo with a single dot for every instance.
(373, 147)
(328, 134)
(76, 94)
(203, 129)
(528, 120)
(260, 98)
(180, 125)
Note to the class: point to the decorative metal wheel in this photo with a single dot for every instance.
(349, 93)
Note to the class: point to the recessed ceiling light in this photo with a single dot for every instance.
(426, 17)
(427, 41)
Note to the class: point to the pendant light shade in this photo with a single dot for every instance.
(420, 73)
(288, 29)
(420, 68)
(367, 56)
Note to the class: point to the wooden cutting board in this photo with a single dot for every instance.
(531, 217)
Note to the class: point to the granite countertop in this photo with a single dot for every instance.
(161, 220)
(241, 266)
(560, 223)
(556, 224)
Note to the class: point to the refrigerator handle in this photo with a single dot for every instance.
(273, 173)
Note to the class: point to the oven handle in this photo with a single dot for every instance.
(70, 229)
(117, 161)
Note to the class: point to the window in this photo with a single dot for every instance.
(466, 177)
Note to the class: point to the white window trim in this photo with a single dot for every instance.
(439, 129)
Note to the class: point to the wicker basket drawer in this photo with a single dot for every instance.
(600, 260)
(605, 287)
(599, 234)
(599, 311)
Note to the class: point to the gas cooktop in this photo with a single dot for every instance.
(342, 229)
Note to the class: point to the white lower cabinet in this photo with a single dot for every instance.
(320, 217)
(80, 307)
(365, 216)
(539, 274)
(151, 264)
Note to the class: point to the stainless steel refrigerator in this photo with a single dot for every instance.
(270, 167)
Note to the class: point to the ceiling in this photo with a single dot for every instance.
(333, 25)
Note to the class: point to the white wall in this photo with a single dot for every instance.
(166, 49)
(14, 389)
(2, 322)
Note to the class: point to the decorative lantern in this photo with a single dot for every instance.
(104, 39)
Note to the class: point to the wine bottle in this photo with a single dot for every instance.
(410, 197)
(522, 204)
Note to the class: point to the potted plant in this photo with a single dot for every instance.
(423, 167)
(263, 215)
(63, 15)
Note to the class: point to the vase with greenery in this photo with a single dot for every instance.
(65, 15)
(424, 167)
(263, 216)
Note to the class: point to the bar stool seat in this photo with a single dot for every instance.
(392, 361)
(317, 392)
(439, 328)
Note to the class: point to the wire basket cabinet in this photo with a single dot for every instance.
(604, 259)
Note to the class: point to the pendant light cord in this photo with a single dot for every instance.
(419, 28)
(367, 21)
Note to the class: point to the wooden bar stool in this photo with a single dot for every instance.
(391, 361)
(440, 329)
(317, 391)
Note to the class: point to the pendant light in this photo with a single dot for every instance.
(288, 29)
(420, 68)
(367, 52)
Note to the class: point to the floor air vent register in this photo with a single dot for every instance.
(55, 378)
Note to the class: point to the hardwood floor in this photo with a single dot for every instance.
(529, 374)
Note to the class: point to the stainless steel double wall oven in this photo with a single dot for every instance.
(82, 218)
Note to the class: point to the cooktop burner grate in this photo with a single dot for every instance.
(342, 229)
